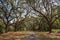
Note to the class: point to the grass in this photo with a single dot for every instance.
(56, 30)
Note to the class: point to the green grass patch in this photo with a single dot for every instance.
(56, 30)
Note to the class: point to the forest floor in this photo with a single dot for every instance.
(30, 36)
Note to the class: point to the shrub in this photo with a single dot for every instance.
(1, 29)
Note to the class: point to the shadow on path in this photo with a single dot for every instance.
(31, 36)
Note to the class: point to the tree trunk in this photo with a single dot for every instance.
(6, 28)
(15, 28)
(50, 28)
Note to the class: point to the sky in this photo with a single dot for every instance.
(57, 1)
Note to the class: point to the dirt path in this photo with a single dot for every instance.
(31, 36)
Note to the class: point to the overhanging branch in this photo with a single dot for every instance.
(40, 13)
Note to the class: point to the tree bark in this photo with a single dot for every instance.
(6, 28)
(50, 28)
(15, 27)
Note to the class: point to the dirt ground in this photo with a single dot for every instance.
(30, 36)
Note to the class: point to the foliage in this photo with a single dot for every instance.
(2, 29)
(29, 15)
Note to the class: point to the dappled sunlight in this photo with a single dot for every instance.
(29, 35)
(29, 20)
